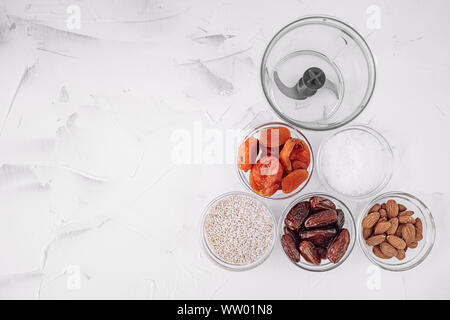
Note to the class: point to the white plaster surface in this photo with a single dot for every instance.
(92, 204)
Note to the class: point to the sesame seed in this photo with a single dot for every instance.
(239, 229)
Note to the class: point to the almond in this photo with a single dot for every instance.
(406, 213)
(419, 230)
(375, 208)
(391, 208)
(377, 251)
(367, 232)
(388, 250)
(401, 207)
(382, 227)
(383, 206)
(413, 245)
(396, 242)
(408, 233)
(383, 213)
(400, 254)
(406, 219)
(398, 233)
(419, 225)
(419, 236)
(370, 220)
(375, 240)
(394, 225)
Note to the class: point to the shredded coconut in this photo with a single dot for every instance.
(239, 229)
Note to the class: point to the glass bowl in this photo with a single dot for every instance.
(215, 258)
(295, 133)
(335, 48)
(363, 169)
(349, 224)
(413, 256)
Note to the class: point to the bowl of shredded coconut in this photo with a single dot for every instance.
(238, 231)
(355, 162)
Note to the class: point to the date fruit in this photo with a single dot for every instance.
(309, 252)
(297, 215)
(316, 227)
(319, 237)
(322, 252)
(290, 248)
(320, 203)
(293, 234)
(338, 247)
(321, 219)
(340, 219)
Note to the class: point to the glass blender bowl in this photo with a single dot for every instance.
(318, 73)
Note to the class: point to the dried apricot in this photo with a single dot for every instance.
(274, 137)
(300, 157)
(265, 176)
(293, 180)
(295, 155)
(247, 154)
(270, 151)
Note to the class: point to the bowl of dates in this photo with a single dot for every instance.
(317, 232)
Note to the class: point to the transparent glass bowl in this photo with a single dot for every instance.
(295, 133)
(339, 51)
(219, 261)
(413, 256)
(365, 135)
(349, 224)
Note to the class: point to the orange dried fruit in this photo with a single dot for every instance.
(274, 137)
(293, 180)
(270, 151)
(265, 176)
(247, 154)
(295, 155)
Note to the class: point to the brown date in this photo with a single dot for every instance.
(322, 252)
(297, 215)
(320, 203)
(319, 237)
(309, 252)
(290, 248)
(293, 234)
(338, 247)
(340, 219)
(321, 219)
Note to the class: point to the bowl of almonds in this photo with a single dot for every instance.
(396, 231)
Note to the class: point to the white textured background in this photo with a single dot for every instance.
(86, 118)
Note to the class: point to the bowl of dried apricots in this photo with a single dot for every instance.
(275, 161)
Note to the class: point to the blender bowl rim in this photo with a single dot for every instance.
(370, 62)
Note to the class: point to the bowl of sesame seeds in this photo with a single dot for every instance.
(238, 231)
